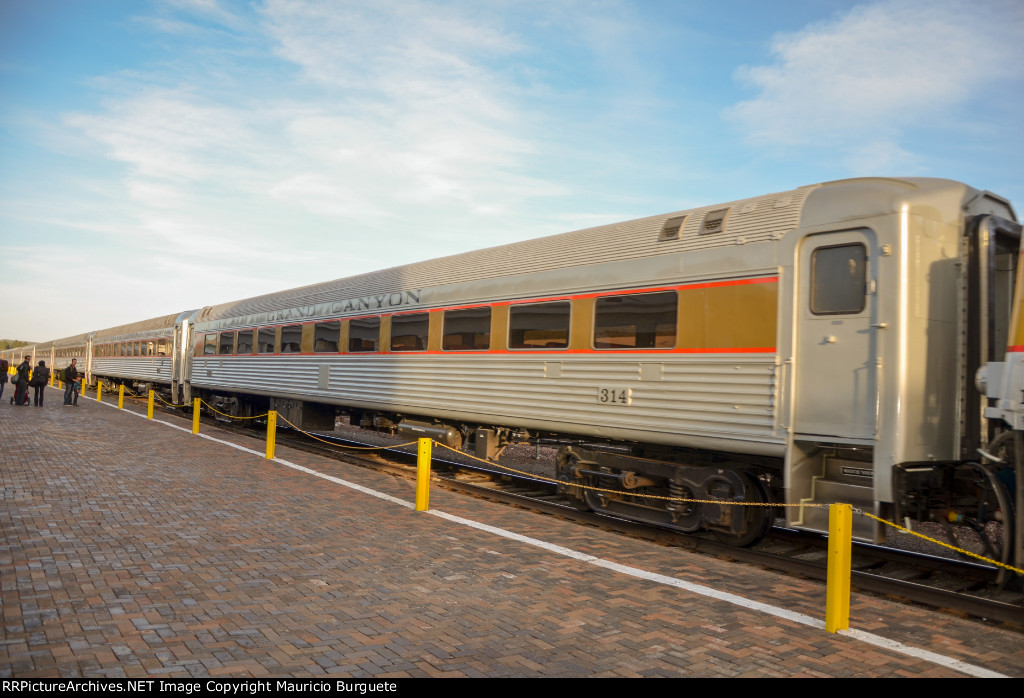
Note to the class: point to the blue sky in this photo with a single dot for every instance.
(163, 155)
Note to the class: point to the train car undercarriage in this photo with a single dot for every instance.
(686, 491)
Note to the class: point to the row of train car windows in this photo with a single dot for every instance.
(630, 321)
(157, 347)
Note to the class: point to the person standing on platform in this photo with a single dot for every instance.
(40, 377)
(71, 378)
(21, 382)
(4, 378)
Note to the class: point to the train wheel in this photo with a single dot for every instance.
(565, 463)
(989, 502)
(758, 519)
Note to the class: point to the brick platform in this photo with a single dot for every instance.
(131, 548)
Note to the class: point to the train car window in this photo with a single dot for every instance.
(161, 347)
(326, 336)
(467, 330)
(245, 342)
(636, 321)
(839, 276)
(409, 332)
(364, 334)
(210, 345)
(291, 339)
(266, 340)
(227, 343)
(539, 325)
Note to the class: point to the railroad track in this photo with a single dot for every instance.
(951, 585)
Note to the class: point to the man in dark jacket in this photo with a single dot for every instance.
(21, 382)
(70, 387)
(40, 377)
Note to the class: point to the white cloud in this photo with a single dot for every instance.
(386, 46)
(171, 135)
(208, 10)
(879, 70)
(409, 110)
(154, 194)
(324, 195)
(397, 106)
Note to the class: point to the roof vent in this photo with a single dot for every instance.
(714, 222)
(670, 231)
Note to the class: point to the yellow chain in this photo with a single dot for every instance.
(351, 448)
(212, 409)
(169, 404)
(939, 542)
(631, 494)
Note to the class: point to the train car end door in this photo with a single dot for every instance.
(835, 365)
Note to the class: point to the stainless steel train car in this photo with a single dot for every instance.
(803, 347)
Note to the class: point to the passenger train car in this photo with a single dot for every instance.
(803, 347)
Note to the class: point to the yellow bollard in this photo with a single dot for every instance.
(271, 433)
(120, 397)
(149, 409)
(99, 391)
(837, 595)
(195, 416)
(423, 475)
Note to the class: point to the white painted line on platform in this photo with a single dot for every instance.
(803, 619)
(941, 659)
(346, 483)
(174, 426)
(228, 443)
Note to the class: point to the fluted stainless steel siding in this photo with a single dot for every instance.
(722, 401)
(148, 368)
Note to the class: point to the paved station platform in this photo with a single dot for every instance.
(133, 548)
